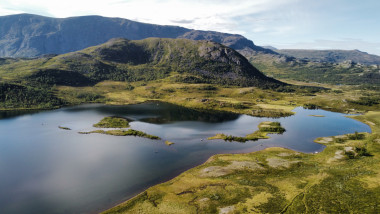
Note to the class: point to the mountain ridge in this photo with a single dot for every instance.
(119, 59)
(332, 55)
(28, 35)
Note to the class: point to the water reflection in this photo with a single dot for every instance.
(161, 113)
(44, 169)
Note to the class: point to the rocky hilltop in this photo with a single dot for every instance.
(180, 60)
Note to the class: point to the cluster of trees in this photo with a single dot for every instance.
(19, 96)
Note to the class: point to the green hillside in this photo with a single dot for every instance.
(345, 73)
(149, 59)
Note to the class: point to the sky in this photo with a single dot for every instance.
(290, 24)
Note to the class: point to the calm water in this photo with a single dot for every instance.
(44, 169)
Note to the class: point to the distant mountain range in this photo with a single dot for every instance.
(332, 56)
(27, 35)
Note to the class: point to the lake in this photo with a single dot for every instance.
(44, 169)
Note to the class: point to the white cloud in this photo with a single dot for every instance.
(204, 15)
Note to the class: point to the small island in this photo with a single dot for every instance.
(120, 123)
(316, 115)
(113, 122)
(64, 128)
(169, 143)
(120, 132)
(265, 128)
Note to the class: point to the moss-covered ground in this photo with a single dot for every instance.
(344, 178)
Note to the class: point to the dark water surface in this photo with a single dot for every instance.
(44, 169)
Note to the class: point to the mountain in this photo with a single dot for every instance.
(179, 60)
(27, 35)
(332, 56)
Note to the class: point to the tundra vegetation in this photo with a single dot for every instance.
(343, 178)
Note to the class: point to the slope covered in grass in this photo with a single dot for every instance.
(141, 60)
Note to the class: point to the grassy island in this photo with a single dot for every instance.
(343, 178)
(169, 143)
(120, 132)
(113, 122)
(265, 128)
(64, 128)
(316, 115)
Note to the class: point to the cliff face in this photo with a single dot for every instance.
(28, 35)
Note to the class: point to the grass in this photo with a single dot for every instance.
(168, 143)
(264, 129)
(275, 180)
(244, 100)
(120, 132)
(64, 128)
(343, 178)
(113, 122)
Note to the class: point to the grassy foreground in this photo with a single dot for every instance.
(341, 179)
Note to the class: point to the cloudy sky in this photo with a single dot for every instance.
(308, 24)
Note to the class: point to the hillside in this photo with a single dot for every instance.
(345, 73)
(171, 60)
(27, 35)
(137, 60)
(332, 56)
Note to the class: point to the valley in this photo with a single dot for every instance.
(195, 122)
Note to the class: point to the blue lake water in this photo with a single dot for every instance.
(44, 169)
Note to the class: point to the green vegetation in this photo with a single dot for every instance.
(321, 72)
(168, 143)
(15, 96)
(205, 75)
(276, 180)
(142, 60)
(64, 128)
(195, 74)
(264, 129)
(113, 122)
(120, 132)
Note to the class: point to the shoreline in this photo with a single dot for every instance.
(205, 162)
(213, 157)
